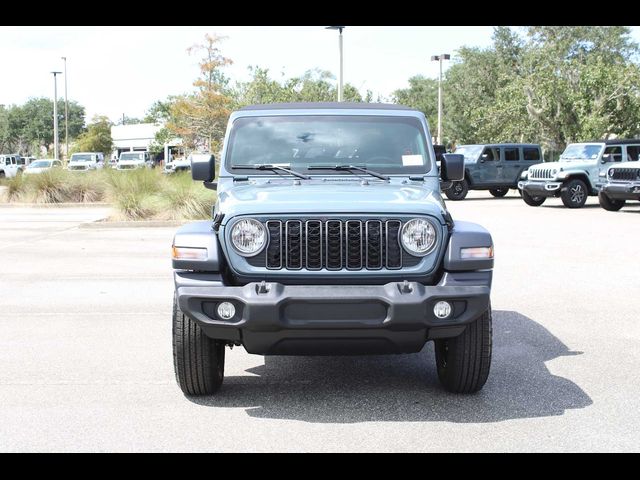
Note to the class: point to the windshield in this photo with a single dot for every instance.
(383, 144)
(40, 164)
(132, 156)
(581, 151)
(82, 157)
(470, 152)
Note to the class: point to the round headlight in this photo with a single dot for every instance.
(248, 237)
(418, 237)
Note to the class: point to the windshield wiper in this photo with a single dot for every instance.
(268, 166)
(348, 168)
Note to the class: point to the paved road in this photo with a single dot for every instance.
(85, 349)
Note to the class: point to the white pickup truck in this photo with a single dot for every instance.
(10, 165)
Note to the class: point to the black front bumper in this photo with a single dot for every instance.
(622, 191)
(272, 318)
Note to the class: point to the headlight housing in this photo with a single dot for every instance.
(248, 237)
(418, 237)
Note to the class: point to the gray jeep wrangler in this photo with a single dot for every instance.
(329, 237)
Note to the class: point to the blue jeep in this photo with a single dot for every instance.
(329, 236)
(494, 167)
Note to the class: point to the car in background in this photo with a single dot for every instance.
(27, 160)
(179, 164)
(85, 161)
(10, 165)
(134, 160)
(495, 167)
(623, 183)
(580, 172)
(42, 165)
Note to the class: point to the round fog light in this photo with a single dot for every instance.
(226, 310)
(442, 309)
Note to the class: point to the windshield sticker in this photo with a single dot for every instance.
(412, 160)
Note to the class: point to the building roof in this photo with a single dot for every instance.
(328, 106)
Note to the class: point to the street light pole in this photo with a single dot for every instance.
(66, 113)
(55, 114)
(340, 81)
(439, 58)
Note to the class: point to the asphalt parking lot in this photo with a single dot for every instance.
(86, 363)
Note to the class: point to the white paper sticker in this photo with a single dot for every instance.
(412, 160)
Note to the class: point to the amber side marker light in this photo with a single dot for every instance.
(476, 252)
(188, 253)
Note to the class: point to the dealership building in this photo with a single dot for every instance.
(138, 138)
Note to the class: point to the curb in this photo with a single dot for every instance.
(98, 224)
(54, 205)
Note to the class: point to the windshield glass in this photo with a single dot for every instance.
(581, 151)
(470, 152)
(40, 164)
(132, 156)
(383, 144)
(81, 157)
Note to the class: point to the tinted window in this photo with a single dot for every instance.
(615, 152)
(385, 144)
(531, 154)
(633, 151)
(512, 153)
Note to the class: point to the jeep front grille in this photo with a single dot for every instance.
(540, 173)
(351, 244)
(624, 173)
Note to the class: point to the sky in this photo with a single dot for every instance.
(122, 70)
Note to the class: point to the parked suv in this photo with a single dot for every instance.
(85, 161)
(133, 160)
(623, 183)
(495, 167)
(329, 236)
(580, 172)
(10, 165)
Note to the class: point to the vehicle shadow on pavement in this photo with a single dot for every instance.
(405, 387)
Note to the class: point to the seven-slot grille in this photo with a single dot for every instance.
(543, 173)
(334, 245)
(624, 173)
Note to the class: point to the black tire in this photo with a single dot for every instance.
(498, 192)
(609, 203)
(2, 174)
(458, 190)
(463, 362)
(574, 193)
(531, 200)
(197, 359)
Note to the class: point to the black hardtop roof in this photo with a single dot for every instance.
(328, 106)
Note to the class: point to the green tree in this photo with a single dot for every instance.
(422, 94)
(97, 138)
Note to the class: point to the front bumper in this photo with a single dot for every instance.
(272, 318)
(622, 191)
(540, 188)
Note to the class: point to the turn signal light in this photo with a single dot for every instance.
(476, 252)
(189, 253)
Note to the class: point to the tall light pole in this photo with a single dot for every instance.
(66, 113)
(55, 114)
(439, 58)
(339, 28)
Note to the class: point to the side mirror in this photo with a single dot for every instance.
(452, 167)
(203, 167)
(606, 158)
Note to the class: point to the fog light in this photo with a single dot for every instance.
(226, 310)
(442, 309)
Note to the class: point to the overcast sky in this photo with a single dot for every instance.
(116, 70)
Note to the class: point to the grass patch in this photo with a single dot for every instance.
(143, 194)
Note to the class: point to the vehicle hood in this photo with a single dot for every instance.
(131, 162)
(317, 197)
(626, 165)
(573, 165)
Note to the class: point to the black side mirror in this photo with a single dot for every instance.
(606, 158)
(452, 167)
(203, 167)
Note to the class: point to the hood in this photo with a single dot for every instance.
(130, 162)
(320, 197)
(572, 165)
(626, 165)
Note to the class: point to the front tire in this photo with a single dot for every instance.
(198, 360)
(610, 204)
(498, 192)
(574, 194)
(531, 200)
(463, 362)
(458, 190)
